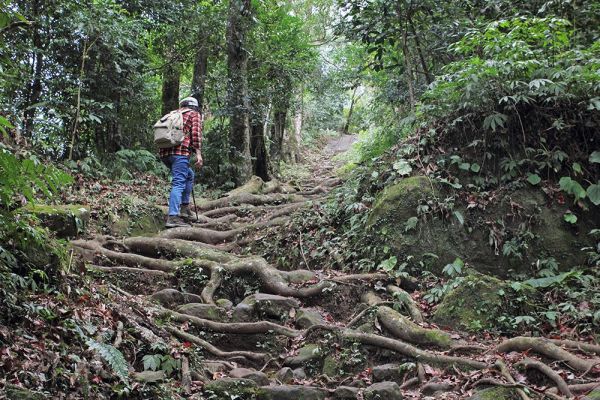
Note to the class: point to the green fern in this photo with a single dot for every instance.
(113, 357)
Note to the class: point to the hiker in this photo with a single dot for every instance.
(176, 156)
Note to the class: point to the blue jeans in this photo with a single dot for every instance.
(182, 181)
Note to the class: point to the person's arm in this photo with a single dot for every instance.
(197, 137)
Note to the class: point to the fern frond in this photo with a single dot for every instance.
(113, 357)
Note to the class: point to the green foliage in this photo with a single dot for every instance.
(162, 362)
(113, 357)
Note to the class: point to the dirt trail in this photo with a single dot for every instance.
(272, 334)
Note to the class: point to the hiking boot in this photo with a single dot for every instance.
(175, 221)
(186, 213)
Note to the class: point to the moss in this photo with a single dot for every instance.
(397, 203)
(238, 388)
(65, 220)
(438, 337)
(593, 395)
(496, 393)
(330, 366)
(476, 304)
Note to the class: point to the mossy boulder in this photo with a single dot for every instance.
(496, 393)
(204, 311)
(399, 202)
(67, 221)
(307, 353)
(232, 388)
(291, 392)
(271, 305)
(477, 302)
(478, 235)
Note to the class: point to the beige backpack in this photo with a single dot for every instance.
(168, 131)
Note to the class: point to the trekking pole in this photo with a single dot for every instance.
(194, 200)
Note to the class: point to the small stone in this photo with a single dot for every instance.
(168, 297)
(204, 311)
(259, 377)
(242, 313)
(226, 387)
(270, 305)
(291, 392)
(299, 374)
(346, 393)
(149, 376)
(306, 353)
(383, 390)
(224, 303)
(212, 367)
(285, 375)
(306, 318)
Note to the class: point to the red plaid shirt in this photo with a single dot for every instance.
(192, 127)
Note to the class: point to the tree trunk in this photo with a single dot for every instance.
(35, 87)
(278, 132)
(296, 135)
(200, 71)
(238, 25)
(260, 157)
(346, 127)
(426, 71)
(170, 86)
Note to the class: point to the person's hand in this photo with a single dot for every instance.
(199, 162)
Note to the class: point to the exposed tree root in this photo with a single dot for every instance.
(258, 357)
(251, 199)
(404, 298)
(547, 348)
(546, 370)
(574, 345)
(231, 327)
(403, 328)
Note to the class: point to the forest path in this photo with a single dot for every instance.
(271, 334)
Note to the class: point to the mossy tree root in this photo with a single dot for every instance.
(404, 298)
(401, 327)
(546, 348)
(251, 199)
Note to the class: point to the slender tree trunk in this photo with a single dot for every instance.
(426, 71)
(238, 25)
(346, 127)
(200, 71)
(408, 71)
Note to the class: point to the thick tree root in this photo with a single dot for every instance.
(403, 328)
(231, 327)
(547, 348)
(258, 357)
(528, 363)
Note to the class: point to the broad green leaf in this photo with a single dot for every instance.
(593, 193)
(402, 167)
(595, 157)
(475, 167)
(465, 166)
(534, 179)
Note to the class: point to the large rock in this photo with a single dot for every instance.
(391, 372)
(271, 305)
(476, 303)
(291, 392)
(448, 239)
(204, 311)
(259, 377)
(67, 221)
(306, 354)
(495, 393)
(306, 318)
(383, 391)
(173, 297)
(229, 388)
(346, 393)
(285, 375)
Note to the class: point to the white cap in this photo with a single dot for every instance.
(188, 101)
